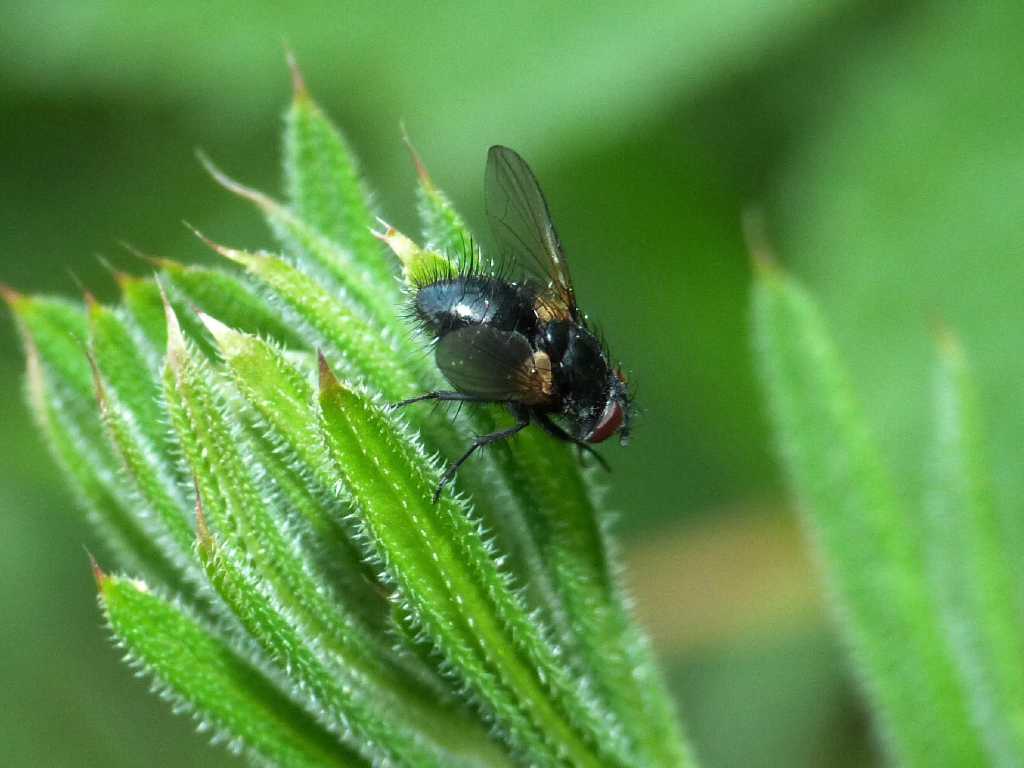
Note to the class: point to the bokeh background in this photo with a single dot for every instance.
(883, 140)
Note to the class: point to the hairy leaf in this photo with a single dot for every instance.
(972, 564)
(865, 534)
(207, 677)
(440, 562)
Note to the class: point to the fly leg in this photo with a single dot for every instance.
(459, 397)
(545, 423)
(523, 421)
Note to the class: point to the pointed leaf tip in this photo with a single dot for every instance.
(299, 90)
(421, 169)
(87, 295)
(123, 279)
(762, 255)
(154, 261)
(175, 337)
(947, 341)
(328, 380)
(235, 187)
(97, 572)
(10, 296)
(89, 299)
(403, 247)
(221, 333)
(229, 253)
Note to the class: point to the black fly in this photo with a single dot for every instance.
(522, 341)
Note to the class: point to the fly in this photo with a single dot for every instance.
(521, 342)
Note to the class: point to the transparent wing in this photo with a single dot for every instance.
(494, 365)
(521, 225)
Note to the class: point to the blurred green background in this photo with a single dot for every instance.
(885, 141)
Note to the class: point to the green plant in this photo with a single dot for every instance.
(927, 595)
(294, 586)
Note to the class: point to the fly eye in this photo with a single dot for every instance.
(609, 422)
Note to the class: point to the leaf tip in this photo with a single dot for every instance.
(231, 254)
(947, 341)
(235, 187)
(92, 306)
(97, 573)
(328, 380)
(762, 255)
(88, 298)
(299, 90)
(417, 161)
(154, 261)
(10, 296)
(403, 247)
(223, 335)
(175, 337)
(122, 279)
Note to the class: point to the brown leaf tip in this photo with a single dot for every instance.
(97, 572)
(235, 187)
(947, 340)
(200, 235)
(421, 169)
(327, 378)
(175, 337)
(228, 253)
(121, 278)
(762, 255)
(9, 295)
(299, 90)
(154, 261)
(87, 296)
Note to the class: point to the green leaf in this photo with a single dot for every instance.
(317, 254)
(437, 557)
(143, 301)
(329, 323)
(126, 374)
(324, 186)
(144, 309)
(61, 395)
(865, 534)
(129, 399)
(206, 676)
(355, 712)
(972, 563)
(281, 399)
(285, 604)
(228, 297)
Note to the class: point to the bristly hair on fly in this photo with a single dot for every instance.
(462, 260)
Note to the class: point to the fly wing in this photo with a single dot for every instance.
(494, 365)
(521, 224)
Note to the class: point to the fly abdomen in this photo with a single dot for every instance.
(449, 304)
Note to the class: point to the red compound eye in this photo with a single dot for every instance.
(609, 424)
